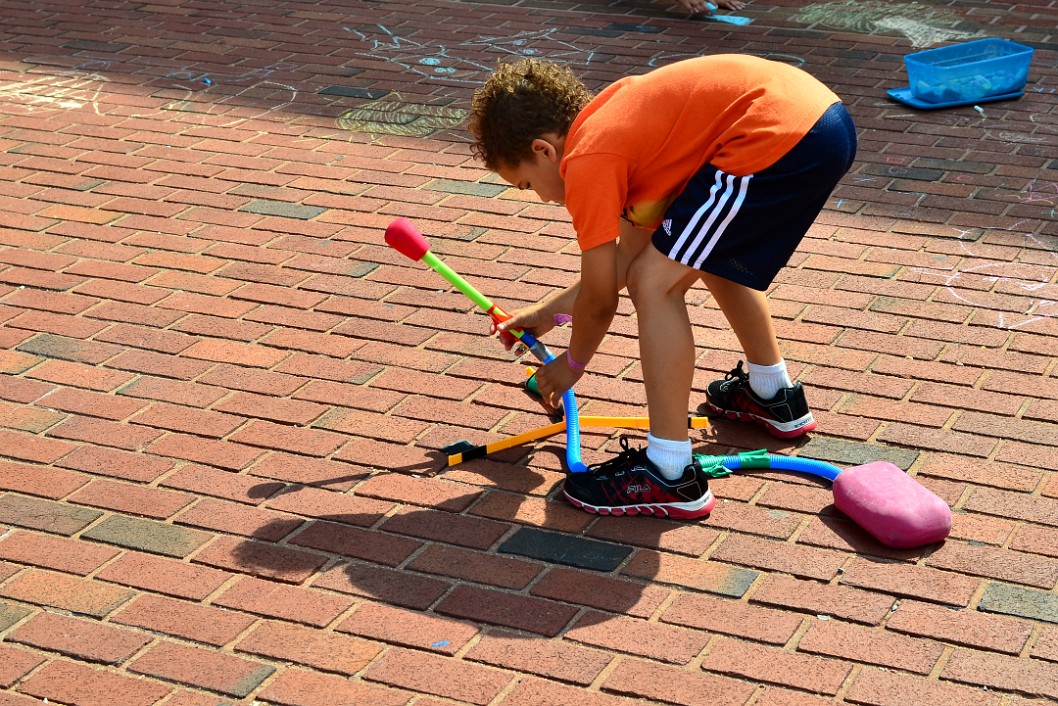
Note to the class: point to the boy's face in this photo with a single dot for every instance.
(540, 172)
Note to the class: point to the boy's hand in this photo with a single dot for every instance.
(554, 379)
(697, 7)
(533, 319)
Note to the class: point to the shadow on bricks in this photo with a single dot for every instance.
(470, 558)
(522, 562)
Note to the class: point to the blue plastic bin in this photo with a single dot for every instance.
(969, 71)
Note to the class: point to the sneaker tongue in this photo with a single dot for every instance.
(625, 459)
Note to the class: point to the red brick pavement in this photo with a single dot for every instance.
(224, 399)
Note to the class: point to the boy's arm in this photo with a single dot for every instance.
(596, 300)
(593, 311)
(631, 242)
(539, 317)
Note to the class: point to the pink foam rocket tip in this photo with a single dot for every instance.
(405, 238)
(895, 508)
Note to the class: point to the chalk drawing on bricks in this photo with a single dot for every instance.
(61, 91)
(469, 61)
(393, 116)
(1019, 293)
(465, 63)
(922, 24)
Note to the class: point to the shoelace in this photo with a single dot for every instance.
(736, 375)
(618, 462)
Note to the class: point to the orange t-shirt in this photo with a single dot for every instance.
(635, 146)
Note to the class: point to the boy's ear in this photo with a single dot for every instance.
(547, 148)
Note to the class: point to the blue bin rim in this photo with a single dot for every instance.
(916, 56)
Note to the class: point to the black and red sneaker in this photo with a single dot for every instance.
(786, 415)
(629, 484)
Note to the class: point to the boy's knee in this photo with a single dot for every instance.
(637, 279)
(634, 278)
(648, 278)
(652, 277)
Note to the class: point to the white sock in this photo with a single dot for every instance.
(767, 380)
(671, 457)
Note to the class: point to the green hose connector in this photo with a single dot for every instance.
(712, 466)
(530, 384)
(755, 459)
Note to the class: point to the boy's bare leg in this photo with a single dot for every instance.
(657, 286)
(770, 398)
(749, 315)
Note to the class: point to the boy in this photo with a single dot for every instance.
(710, 169)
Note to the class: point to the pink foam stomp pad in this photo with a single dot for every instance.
(895, 508)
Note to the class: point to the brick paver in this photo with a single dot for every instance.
(224, 402)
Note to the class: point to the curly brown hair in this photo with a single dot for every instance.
(518, 103)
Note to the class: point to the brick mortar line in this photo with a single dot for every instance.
(847, 683)
(1034, 638)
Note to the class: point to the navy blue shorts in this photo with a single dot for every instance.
(746, 228)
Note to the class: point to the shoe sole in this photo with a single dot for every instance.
(790, 430)
(677, 511)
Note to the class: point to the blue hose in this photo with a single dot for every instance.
(751, 459)
(569, 403)
(711, 464)
(569, 406)
(762, 459)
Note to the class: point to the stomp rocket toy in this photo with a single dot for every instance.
(892, 506)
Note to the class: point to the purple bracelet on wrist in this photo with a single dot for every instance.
(562, 319)
(572, 363)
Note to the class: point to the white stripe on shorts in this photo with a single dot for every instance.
(697, 241)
